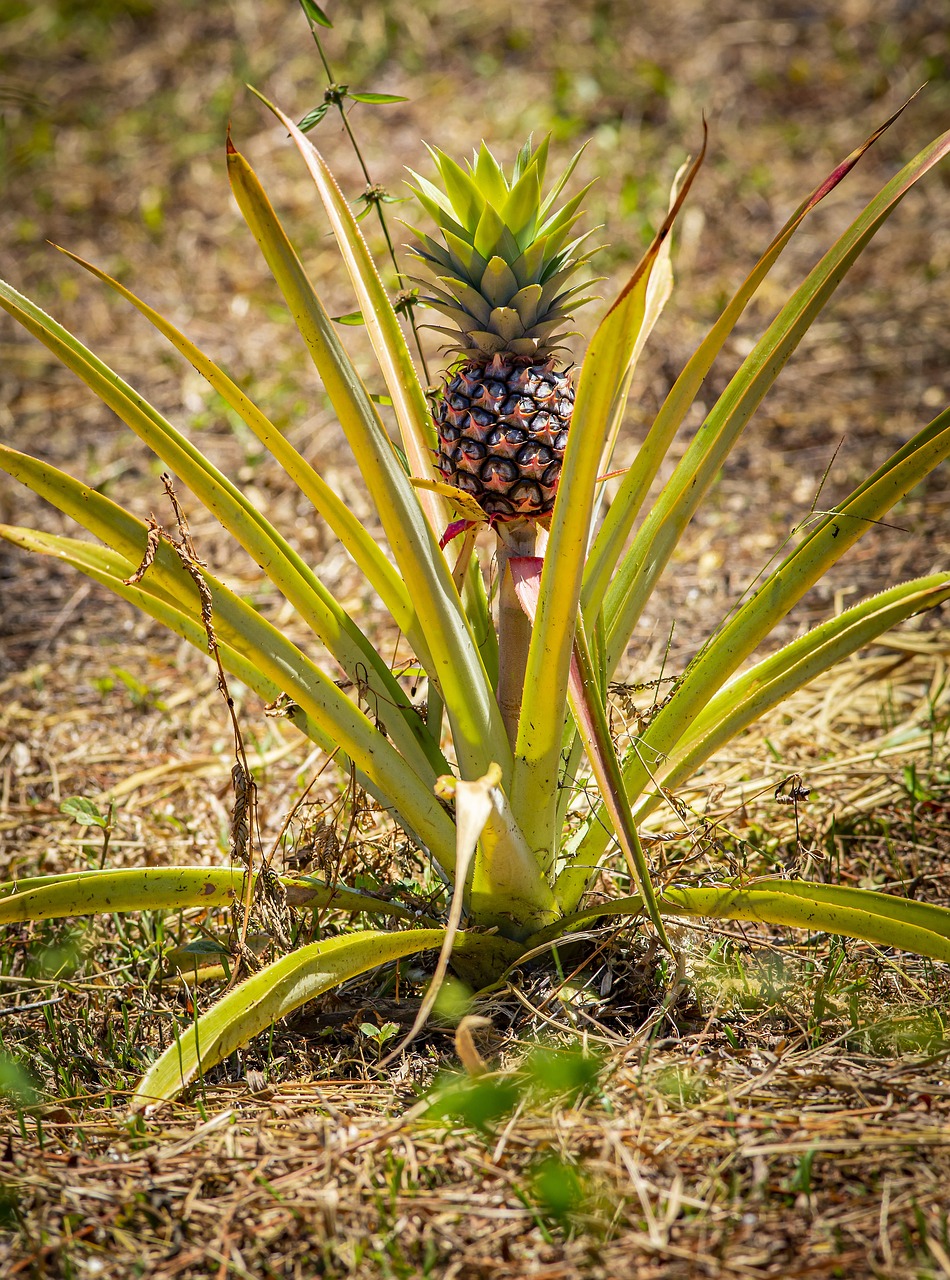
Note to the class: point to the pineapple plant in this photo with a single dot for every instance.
(503, 265)
(489, 784)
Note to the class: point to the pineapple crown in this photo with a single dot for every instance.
(505, 256)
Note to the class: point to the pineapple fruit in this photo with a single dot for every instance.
(502, 263)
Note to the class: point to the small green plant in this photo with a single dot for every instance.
(16, 1082)
(380, 1034)
(548, 1077)
(479, 1103)
(86, 813)
(556, 1189)
(485, 780)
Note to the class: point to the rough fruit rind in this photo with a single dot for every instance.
(502, 435)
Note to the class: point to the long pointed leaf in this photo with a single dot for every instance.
(541, 725)
(476, 803)
(358, 541)
(85, 893)
(782, 589)
(240, 517)
(742, 634)
(590, 716)
(330, 717)
(854, 913)
(444, 642)
(509, 889)
(661, 530)
(127, 536)
(613, 534)
(745, 699)
(259, 1001)
(416, 427)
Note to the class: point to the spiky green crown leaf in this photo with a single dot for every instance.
(505, 256)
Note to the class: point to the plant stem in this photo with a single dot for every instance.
(519, 538)
(370, 187)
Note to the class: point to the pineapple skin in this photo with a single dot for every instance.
(502, 429)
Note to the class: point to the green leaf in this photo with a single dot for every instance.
(313, 118)
(416, 428)
(609, 543)
(857, 913)
(17, 1085)
(241, 517)
(202, 947)
(492, 240)
(85, 893)
(376, 97)
(265, 660)
(262, 999)
(440, 634)
(315, 14)
(590, 715)
(800, 570)
(541, 726)
(85, 812)
(490, 177)
(243, 625)
(743, 701)
(750, 695)
(854, 913)
(359, 543)
(478, 1103)
(461, 195)
(520, 212)
(663, 526)
(141, 889)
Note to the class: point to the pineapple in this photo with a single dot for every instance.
(502, 264)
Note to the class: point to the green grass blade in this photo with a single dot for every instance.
(853, 913)
(260, 1000)
(544, 705)
(662, 528)
(167, 579)
(325, 713)
(441, 635)
(618, 523)
(84, 893)
(360, 544)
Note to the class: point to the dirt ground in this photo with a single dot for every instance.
(793, 1118)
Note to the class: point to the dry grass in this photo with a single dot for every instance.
(790, 1114)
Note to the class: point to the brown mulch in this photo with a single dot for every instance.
(768, 1162)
